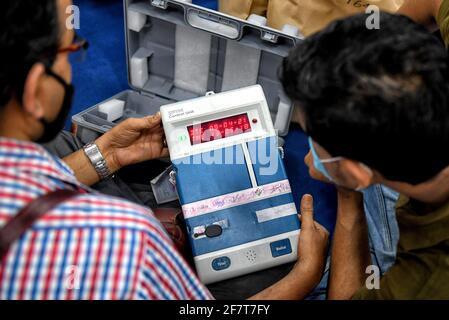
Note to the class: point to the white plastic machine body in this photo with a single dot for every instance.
(232, 184)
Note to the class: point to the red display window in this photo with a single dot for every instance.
(219, 129)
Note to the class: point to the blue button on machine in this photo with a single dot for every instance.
(280, 248)
(221, 263)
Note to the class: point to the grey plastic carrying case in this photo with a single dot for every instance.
(178, 51)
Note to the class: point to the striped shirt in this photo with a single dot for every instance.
(92, 247)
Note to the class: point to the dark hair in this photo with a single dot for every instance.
(380, 97)
(29, 33)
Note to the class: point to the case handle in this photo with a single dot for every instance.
(209, 22)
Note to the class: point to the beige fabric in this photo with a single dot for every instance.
(308, 15)
(443, 21)
(243, 8)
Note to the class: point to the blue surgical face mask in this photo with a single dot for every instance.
(319, 164)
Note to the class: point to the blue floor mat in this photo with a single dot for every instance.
(325, 197)
(104, 74)
(211, 4)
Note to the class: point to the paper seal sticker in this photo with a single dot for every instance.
(276, 212)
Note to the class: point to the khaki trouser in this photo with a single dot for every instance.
(308, 15)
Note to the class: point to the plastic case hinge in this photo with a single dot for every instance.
(147, 94)
(159, 3)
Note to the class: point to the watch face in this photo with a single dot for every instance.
(97, 160)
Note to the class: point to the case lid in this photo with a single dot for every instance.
(179, 51)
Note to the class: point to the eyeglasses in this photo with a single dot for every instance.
(77, 49)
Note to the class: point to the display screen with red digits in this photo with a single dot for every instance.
(219, 129)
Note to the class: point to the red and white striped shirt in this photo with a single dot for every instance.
(90, 247)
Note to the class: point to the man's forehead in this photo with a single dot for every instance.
(64, 14)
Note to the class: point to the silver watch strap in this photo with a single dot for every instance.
(98, 162)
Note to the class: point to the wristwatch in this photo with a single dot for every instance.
(96, 158)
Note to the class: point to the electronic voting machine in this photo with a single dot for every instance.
(231, 181)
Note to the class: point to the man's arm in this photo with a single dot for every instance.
(350, 249)
(131, 142)
(422, 11)
(312, 253)
(295, 286)
(83, 169)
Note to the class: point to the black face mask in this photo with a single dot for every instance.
(52, 129)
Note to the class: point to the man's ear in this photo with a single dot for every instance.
(30, 100)
(358, 172)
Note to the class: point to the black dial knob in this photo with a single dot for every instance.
(213, 231)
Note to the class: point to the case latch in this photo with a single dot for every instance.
(159, 3)
(281, 150)
(270, 37)
(173, 178)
